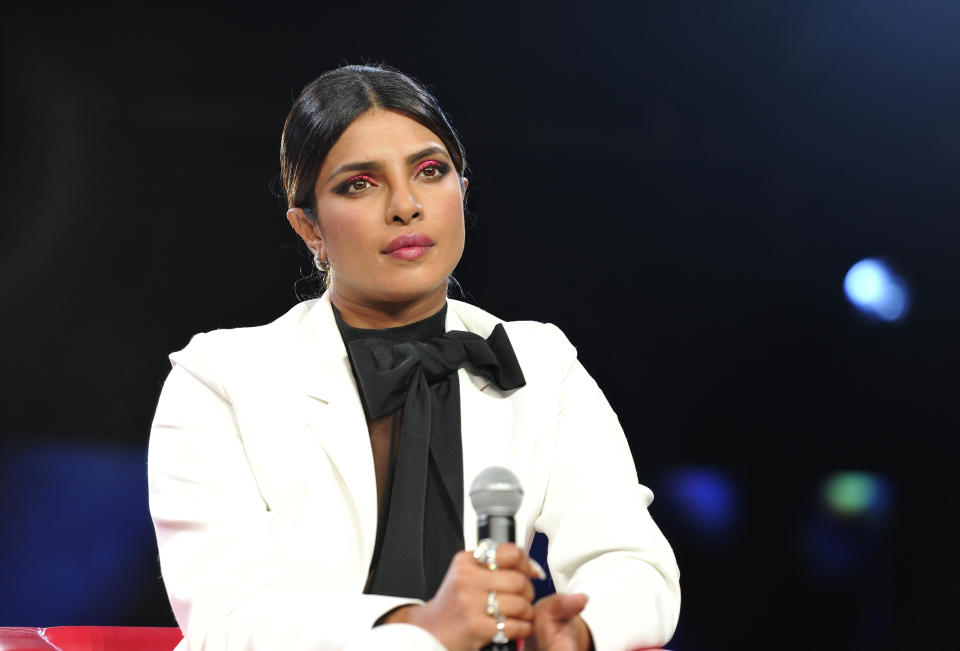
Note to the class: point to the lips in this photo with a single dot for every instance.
(409, 246)
(410, 240)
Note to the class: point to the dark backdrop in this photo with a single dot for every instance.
(699, 174)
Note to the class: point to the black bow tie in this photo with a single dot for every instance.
(424, 526)
(389, 371)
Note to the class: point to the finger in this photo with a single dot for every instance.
(515, 607)
(511, 557)
(538, 571)
(509, 582)
(567, 606)
(464, 559)
(515, 629)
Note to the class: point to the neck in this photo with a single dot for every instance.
(380, 315)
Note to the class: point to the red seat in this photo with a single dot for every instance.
(90, 638)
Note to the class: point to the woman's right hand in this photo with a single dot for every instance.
(457, 615)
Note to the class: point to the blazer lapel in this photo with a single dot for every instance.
(335, 415)
(485, 415)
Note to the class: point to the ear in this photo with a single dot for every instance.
(307, 229)
(464, 184)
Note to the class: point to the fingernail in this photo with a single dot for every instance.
(539, 570)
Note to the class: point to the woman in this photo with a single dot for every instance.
(307, 476)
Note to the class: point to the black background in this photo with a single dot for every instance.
(680, 186)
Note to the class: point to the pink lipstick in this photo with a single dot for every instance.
(408, 247)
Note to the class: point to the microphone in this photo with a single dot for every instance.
(496, 495)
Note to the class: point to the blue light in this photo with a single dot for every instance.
(80, 544)
(705, 499)
(875, 290)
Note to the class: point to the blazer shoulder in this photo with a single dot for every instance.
(217, 353)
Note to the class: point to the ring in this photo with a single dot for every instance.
(486, 553)
(500, 637)
(493, 608)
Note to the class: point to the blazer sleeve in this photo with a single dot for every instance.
(602, 540)
(228, 584)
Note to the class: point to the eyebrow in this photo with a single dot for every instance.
(373, 165)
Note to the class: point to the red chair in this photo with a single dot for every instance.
(89, 638)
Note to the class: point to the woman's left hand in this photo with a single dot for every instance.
(557, 625)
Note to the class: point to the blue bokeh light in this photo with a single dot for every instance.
(874, 289)
(704, 498)
(77, 539)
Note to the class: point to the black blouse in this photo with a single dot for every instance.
(407, 379)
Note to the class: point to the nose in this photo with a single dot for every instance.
(404, 205)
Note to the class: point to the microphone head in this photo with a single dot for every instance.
(496, 491)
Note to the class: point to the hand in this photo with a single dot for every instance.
(457, 616)
(557, 625)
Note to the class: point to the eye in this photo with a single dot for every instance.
(355, 184)
(432, 169)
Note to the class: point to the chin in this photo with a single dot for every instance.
(396, 290)
(411, 295)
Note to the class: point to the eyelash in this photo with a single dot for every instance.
(441, 167)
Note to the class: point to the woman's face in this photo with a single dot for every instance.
(389, 212)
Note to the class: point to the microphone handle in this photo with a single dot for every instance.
(499, 528)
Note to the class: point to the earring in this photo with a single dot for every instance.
(323, 266)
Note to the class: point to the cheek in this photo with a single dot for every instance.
(452, 208)
(460, 226)
(342, 232)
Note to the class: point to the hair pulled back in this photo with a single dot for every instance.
(327, 106)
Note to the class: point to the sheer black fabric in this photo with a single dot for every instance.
(410, 374)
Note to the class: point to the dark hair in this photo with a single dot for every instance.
(327, 106)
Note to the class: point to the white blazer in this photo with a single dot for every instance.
(263, 495)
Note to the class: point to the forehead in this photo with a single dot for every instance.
(380, 134)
